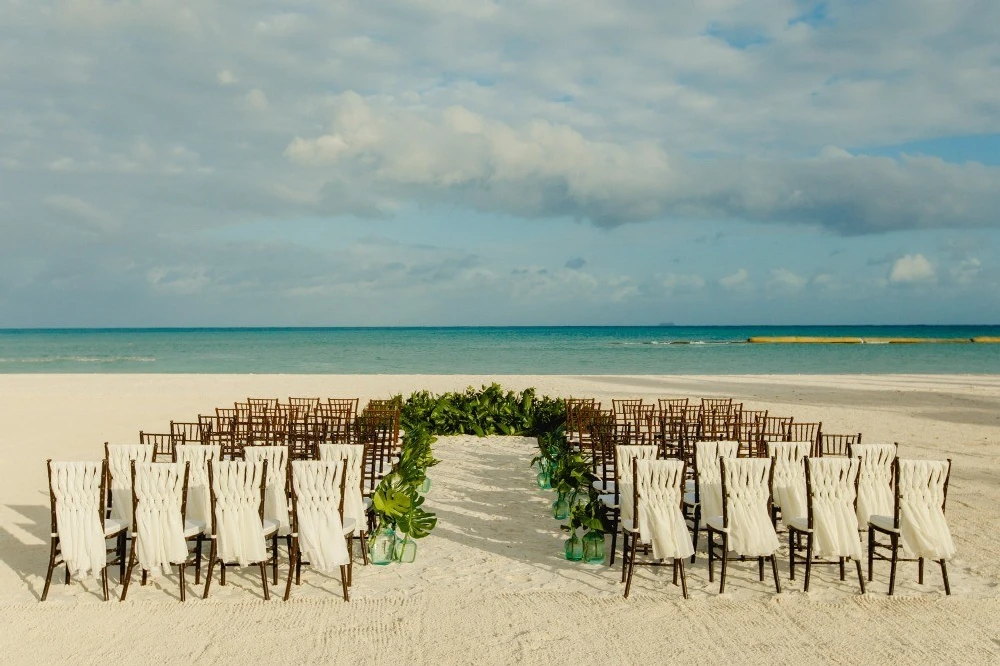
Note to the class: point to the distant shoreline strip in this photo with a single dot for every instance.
(796, 339)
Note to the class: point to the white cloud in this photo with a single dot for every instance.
(688, 282)
(226, 77)
(911, 268)
(738, 280)
(966, 271)
(257, 100)
(785, 280)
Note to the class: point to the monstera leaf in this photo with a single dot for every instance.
(392, 501)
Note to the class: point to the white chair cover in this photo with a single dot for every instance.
(236, 488)
(875, 495)
(832, 497)
(624, 455)
(707, 456)
(922, 524)
(660, 485)
(276, 494)
(354, 456)
(789, 481)
(120, 457)
(77, 489)
(199, 498)
(317, 487)
(747, 492)
(159, 525)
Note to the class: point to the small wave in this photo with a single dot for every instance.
(81, 359)
(677, 342)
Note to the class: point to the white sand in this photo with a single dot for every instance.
(489, 585)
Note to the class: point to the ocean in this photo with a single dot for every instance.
(494, 350)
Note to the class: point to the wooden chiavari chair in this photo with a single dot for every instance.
(619, 508)
(350, 404)
(705, 498)
(672, 405)
(805, 432)
(276, 493)
(187, 432)
(773, 429)
(748, 430)
(836, 445)
(162, 443)
(262, 405)
(306, 405)
(604, 437)
(575, 409)
(337, 423)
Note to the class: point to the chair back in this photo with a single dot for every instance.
(832, 494)
(276, 492)
(318, 503)
(238, 489)
(746, 505)
(624, 457)
(789, 484)
(162, 443)
(76, 492)
(876, 496)
(353, 457)
(657, 501)
(199, 497)
(708, 489)
(120, 458)
(158, 502)
(836, 445)
(921, 496)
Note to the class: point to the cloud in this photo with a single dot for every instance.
(576, 263)
(682, 283)
(966, 271)
(226, 77)
(257, 100)
(738, 280)
(785, 280)
(911, 268)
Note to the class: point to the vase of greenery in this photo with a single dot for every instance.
(406, 550)
(574, 548)
(560, 507)
(593, 547)
(382, 545)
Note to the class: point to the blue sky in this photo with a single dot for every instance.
(477, 162)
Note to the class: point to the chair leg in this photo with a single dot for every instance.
(363, 538)
(809, 559)
(127, 578)
(871, 552)
(774, 569)
(211, 565)
(895, 555)
(197, 559)
(725, 557)
(920, 571)
(674, 567)
(842, 568)
(263, 580)
(614, 544)
(944, 577)
(694, 537)
(145, 576)
(180, 568)
(222, 573)
(292, 560)
(711, 555)
(51, 568)
(631, 564)
(760, 568)
(684, 580)
(343, 581)
(67, 575)
(104, 582)
(861, 578)
(791, 554)
(121, 549)
(625, 540)
(274, 557)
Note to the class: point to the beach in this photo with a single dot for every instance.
(490, 584)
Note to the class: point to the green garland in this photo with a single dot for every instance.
(398, 499)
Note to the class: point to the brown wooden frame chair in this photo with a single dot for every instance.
(836, 445)
(162, 443)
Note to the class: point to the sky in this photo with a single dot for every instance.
(478, 162)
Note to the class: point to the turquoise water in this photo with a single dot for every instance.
(514, 350)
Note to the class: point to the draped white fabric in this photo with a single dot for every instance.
(353, 455)
(120, 457)
(789, 483)
(624, 455)
(77, 489)
(236, 487)
(159, 493)
(747, 493)
(317, 485)
(276, 492)
(832, 496)
(707, 456)
(922, 524)
(199, 498)
(875, 494)
(660, 485)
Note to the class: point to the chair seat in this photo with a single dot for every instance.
(367, 503)
(193, 528)
(798, 523)
(270, 527)
(690, 500)
(350, 525)
(112, 527)
(628, 526)
(883, 523)
(608, 501)
(604, 486)
(716, 523)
